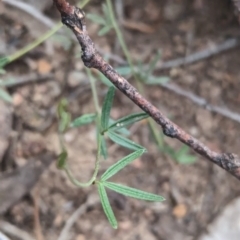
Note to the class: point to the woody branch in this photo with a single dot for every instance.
(73, 18)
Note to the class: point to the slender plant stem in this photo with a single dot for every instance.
(99, 139)
(158, 137)
(34, 44)
(74, 18)
(119, 33)
(94, 91)
(130, 62)
(40, 40)
(96, 169)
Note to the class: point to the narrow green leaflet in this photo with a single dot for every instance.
(61, 162)
(83, 120)
(107, 105)
(4, 61)
(188, 159)
(103, 21)
(133, 192)
(106, 205)
(122, 141)
(123, 131)
(184, 157)
(115, 168)
(5, 96)
(104, 151)
(130, 119)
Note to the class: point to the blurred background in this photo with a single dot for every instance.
(186, 56)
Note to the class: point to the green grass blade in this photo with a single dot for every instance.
(83, 120)
(133, 192)
(115, 168)
(107, 105)
(130, 119)
(124, 142)
(106, 206)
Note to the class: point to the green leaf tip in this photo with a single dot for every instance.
(106, 205)
(133, 192)
(83, 120)
(128, 120)
(115, 168)
(183, 156)
(107, 105)
(124, 142)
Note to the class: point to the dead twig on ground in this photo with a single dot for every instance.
(12, 82)
(74, 18)
(31, 11)
(202, 102)
(206, 53)
(37, 223)
(14, 231)
(91, 200)
(200, 55)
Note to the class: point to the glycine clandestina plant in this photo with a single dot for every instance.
(142, 74)
(107, 127)
(114, 130)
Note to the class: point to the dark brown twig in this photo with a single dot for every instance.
(73, 17)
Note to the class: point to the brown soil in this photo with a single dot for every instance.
(195, 194)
